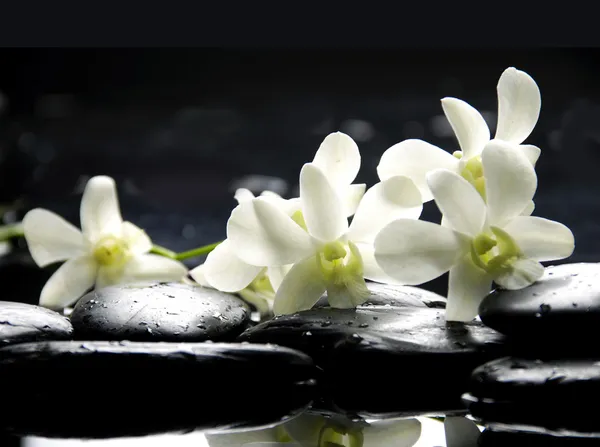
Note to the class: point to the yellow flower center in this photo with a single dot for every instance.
(473, 173)
(298, 217)
(111, 251)
(259, 292)
(495, 252)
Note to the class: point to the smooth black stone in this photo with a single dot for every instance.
(556, 395)
(110, 389)
(493, 437)
(563, 305)
(160, 312)
(389, 295)
(386, 361)
(22, 323)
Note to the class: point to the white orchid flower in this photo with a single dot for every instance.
(107, 251)
(519, 103)
(339, 157)
(309, 430)
(480, 243)
(461, 432)
(225, 271)
(328, 255)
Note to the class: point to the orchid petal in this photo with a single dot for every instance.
(519, 103)
(414, 159)
(468, 285)
(339, 157)
(394, 198)
(461, 432)
(470, 128)
(150, 268)
(531, 152)
(353, 196)
(416, 251)
(99, 212)
(225, 271)
(50, 238)
(397, 433)
(528, 209)
(510, 181)
(243, 195)
(197, 275)
(372, 270)
(245, 438)
(459, 202)
(523, 273)
(264, 235)
(324, 212)
(300, 289)
(137, 240)
(276, 275)
(69, 283)
(541, 239)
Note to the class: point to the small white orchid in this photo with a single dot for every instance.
(480, 243)
(107, 251)
(328, 255)
(225, 271)
(309, 430)
(519, 103)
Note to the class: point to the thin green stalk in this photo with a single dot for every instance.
(157, 249)
(11, 231)
(196, 252)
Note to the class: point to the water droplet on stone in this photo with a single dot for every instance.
(363, 325)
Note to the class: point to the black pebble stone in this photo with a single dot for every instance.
(493, 437)
(386, 362)
(160, 312)
(104, 389)
(563, 305)
(556, 395)
(21, 323)
(391, 296)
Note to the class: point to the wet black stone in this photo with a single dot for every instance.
(563, 305)
(389, 295)
(556, 395)
(21, 323)
(160, 312)
(386, 361)
(107, 389)
(506, 436)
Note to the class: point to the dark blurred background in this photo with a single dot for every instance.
(181, 129)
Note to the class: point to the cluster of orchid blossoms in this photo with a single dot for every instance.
(282, 255)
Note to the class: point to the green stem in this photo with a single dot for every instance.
(162, 251)
(11, 231)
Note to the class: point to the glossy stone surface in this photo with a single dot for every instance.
(556, 395)
(390, 295)
(21, 323)
(563, 304)
(507, 436)
(108, 389)
(160, 312)
(386, 361)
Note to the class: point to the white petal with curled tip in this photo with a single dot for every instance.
(372, 270)
(531, 152)
(300, 289)
(468, 285)
(151, 267)
(510, 181)
(416, 251)
(197, 274)
(288, 206)
(242, 439)
(225, 271)
(339, 157)
(414, 159)
(69, 283)
(276, 275)
(397, 433)
(395, 198)
(353, 196)
(529, 209)
(243, 195)
(470, 128)
(523, 273)
(264, 235)
(541, 239)
(100, 214)
(459, 202)
(461, 432)
(50, 238)
(519, 103)
(324, 211)
(136, 238)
